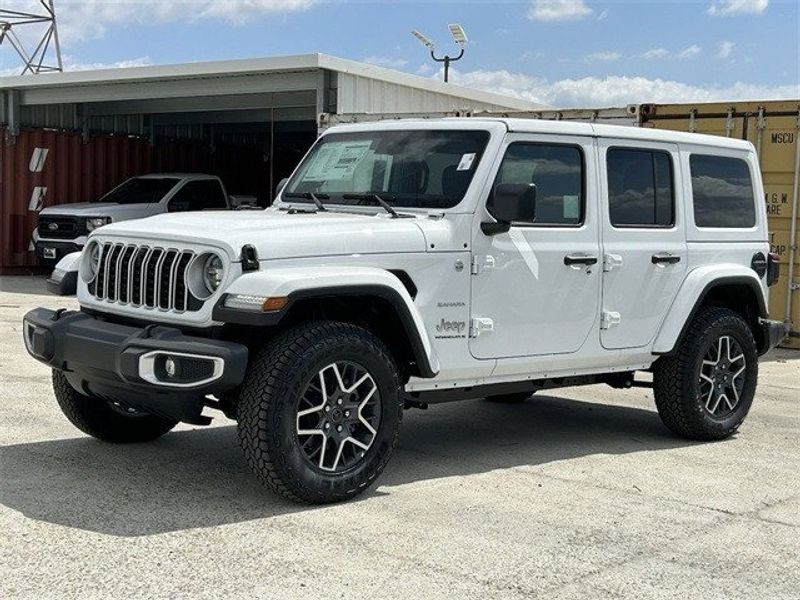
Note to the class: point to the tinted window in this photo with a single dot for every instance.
(557, 172)
(722, 191)
(413, 168)
(199, 195)
(640, 188)
(140, 190)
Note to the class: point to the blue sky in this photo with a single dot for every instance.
(562, 52)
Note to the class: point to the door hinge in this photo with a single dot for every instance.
(479, 325)
(480, 263)
(611, 262)
(609, 320)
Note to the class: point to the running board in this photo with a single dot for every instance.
(623, 380)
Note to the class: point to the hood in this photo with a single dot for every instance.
(95, 209)
(279, 234)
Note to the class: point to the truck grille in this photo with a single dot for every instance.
(145, 276)
(61, 228)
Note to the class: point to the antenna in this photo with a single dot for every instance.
(48, 48)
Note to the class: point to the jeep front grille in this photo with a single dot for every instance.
(144, 276)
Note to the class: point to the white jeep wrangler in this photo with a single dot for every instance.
(411, 262)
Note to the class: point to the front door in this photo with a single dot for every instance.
(644, 245)
(536, 288)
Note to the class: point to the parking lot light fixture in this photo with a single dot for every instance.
(459, 37)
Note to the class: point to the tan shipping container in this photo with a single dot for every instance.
(774, 129)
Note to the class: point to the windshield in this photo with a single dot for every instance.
(140, 190)
(419, 168)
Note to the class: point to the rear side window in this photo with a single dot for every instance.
(723, 192)
(640, 191)
(557, 172)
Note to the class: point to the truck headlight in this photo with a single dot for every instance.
(93, 223)
(90, 262)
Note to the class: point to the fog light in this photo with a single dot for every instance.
(170, 367)
(179, 369)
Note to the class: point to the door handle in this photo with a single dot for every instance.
(579, 259)
(665, 258)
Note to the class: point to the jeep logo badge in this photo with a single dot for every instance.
(52, 226)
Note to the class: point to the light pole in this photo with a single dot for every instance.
(459, 37)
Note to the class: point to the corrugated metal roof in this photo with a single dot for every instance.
(53, 82)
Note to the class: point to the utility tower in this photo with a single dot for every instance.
(46, 55)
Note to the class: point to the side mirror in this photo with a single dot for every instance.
(281, 184)
(510, 202)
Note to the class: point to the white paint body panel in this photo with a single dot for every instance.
(546, 316)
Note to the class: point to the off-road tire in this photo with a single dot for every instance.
(676, 378)
(267, 410)
(517, 398)
(97, 418)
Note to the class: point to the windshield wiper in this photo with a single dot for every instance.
(377, 197)
(316, 198)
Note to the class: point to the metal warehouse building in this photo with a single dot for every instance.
(70, 137)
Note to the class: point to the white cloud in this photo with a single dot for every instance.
(558, 10)
(73, 64)
(87, 19)
(606, 56)
(725, 49)
(655, 53)
(425, 69)
(689, 52)
(737, 7)
(70, 64)
(385, 61)
(615, 90)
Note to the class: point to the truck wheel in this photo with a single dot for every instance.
(100, 419)
(319, 412)
(704, 390)
(517, 398)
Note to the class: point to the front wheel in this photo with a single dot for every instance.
(705, 390)
(319, 412)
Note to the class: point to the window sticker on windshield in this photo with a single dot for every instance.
(571, 207)
(336, 160)
(465, 164)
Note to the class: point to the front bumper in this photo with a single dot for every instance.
(125, 364)
(772, 334)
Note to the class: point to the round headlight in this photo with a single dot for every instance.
(213, 272)
(205, 275)
(90, 262)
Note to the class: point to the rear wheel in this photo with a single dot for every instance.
(105, 421)
(319, 412)
(705, 390)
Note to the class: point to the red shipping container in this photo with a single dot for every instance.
(46, 167)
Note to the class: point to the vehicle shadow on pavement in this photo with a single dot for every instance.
(197, 478)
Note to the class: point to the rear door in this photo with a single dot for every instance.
(643, 235)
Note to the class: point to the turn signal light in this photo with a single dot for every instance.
(256, 303)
